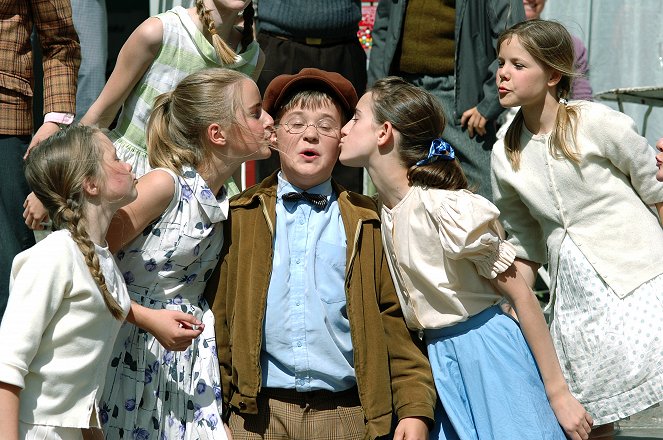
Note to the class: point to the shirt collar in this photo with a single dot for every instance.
(216, 208)
(284, 187)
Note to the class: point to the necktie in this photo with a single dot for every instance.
(317, 200)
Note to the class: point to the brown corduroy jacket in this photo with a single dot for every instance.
(392, 372)
(61, 54)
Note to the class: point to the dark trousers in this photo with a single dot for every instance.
(287, 57)
(15, 236)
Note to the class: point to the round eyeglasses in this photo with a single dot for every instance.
(324, 127)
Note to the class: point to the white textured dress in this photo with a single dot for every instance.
(151, 392)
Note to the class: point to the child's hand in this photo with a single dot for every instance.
(229, 432)
(411, 428)
(34, 214)
(571, 415)
(174, 329)
(45, 131)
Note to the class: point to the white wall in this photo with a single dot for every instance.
(624, 39)
(157, 6)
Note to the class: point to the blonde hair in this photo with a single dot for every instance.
(223, 50)
(418, 117)
(56, 171)
(176, 129)
(550, 44)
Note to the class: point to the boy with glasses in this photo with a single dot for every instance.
(311, 338)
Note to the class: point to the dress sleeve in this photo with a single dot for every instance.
(629, 152)
(469, 228)
(40, 279)
(524, 231)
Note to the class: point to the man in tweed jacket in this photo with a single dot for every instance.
(52, 22)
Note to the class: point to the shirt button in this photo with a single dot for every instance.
(297, 303)
(301, 221)
(299, 344)
(298, 261)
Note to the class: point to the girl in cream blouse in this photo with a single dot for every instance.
(449, 263)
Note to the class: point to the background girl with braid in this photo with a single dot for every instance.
(159, 54)
(495, 379)
(576, 185)
(156, 56)
(163, 381)
(68, 297)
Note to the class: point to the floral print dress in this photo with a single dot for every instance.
(151, 392)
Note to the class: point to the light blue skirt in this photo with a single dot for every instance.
(487, 381)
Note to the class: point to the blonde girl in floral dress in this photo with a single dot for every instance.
(163, 379)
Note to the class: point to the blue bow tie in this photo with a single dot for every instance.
(317, 200)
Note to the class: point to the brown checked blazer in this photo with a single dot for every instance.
(54, 28)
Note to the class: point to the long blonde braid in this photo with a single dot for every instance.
(223, 50)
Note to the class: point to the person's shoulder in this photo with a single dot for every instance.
(596, 117)
(150, 32)
(158, 183)
(499, 148)
(457, 200)
(356, 201)
(267, 187)
(56, 249)
(60, 239)
(498, 157)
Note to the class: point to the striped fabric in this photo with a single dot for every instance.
(184, 51)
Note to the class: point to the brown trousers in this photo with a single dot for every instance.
(288, 414)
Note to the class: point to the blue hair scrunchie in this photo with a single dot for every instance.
(438, 148)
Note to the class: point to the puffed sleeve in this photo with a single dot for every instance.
(469, 228)
(40, 278)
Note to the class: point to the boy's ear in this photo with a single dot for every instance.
(385, 134)
(216, 135)
(554, 78)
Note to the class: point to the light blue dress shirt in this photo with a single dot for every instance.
(306, 334)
